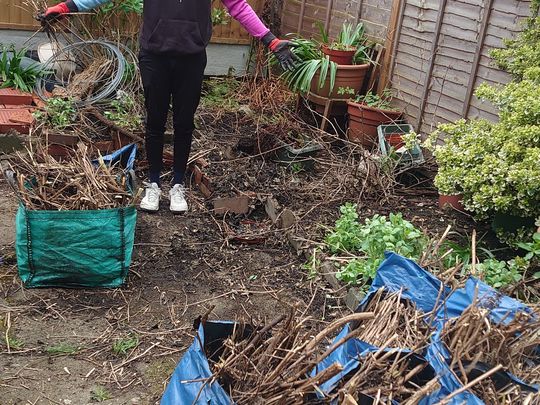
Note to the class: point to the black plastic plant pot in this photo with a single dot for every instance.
(287, 155)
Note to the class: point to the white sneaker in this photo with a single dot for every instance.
(178, 199)
(150, 202)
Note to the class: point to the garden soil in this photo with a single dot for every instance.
(64, 343)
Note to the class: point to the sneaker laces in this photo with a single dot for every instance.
(152, 192)
(178, 192)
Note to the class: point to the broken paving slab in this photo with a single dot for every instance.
(235, 205)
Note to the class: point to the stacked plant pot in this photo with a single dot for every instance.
(364, 121)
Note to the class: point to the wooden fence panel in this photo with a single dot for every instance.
(15, 15)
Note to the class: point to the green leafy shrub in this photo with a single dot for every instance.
(495, 165)
(373, 238)
(60, 113)
(500, 274)
(122, 111)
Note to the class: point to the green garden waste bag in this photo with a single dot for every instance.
(75, 249)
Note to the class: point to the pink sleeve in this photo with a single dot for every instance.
(241, 11)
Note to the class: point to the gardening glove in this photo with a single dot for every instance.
(282, 50)
(55, 13)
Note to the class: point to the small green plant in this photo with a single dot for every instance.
(13, 343)
(346, 90)
(350, 38)
(220, 16)
(411, 139)
(533, 251)
(218, 91)
(500, 274)
(62, 348)
(13, 73)
(296, 167)
(123, 6)
(122, 347)
(59, 113)
(100, 394)
(345, 236)
(381, 102)
(376, 236)
(122, 112)
(312, 264)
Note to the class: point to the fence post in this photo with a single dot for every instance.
(391, 44)
(434, 45)
(477, 56)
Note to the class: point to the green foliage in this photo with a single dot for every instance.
(13, 342)
(346, 234)
(311, 59)
(14, 74)
(62, 348)
(376, 236)
(123, 112)
(100, 394)
(218, 92)
(123, 6)
(495, 165)
(220, 16)
(374, 100)
(60, 113)
(500, 274)
(521, 53)
(122, 347)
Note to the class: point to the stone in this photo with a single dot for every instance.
(287, 219)
(329, 273)
(235, 205)
(205, 190)
(353, 298)
(271, 207)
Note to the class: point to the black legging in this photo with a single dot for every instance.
(164, 76)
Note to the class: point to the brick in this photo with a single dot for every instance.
(22, 117)
(197, 174)
(235, 205)
(62, 139)
(15, 97)
(7, 125)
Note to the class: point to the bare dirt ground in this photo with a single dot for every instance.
(61, 341)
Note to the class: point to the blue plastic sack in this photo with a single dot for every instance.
(395, 274)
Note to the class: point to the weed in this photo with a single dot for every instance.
(312, 265)
(123, 113)
(13, 343)
(121, 347)
(100, 394)
(218, 92)
(60, 115)
(297, 167)
(62, 348)
(220, 16)
(500, 274)
(373, 238)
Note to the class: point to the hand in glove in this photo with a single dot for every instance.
(55, 13)
(282, 50)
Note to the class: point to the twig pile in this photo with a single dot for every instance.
(46, 184)
(387, 377)
(272, 364)
(474, 339)
(396, 320)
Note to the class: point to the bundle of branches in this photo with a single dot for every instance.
(77, 184)
(476, 342)
(272, 365)
(397, 320)
(386, 377)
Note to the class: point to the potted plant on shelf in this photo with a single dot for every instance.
(366, 113)
(318, 74)
(349, 47)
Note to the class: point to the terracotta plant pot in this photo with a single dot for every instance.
(340, 57)
(346, 76)
(364, 120)
(395, 140)
(454, 201)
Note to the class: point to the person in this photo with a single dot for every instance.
(172, 60)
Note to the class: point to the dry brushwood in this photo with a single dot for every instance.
(46, 184)
(395, 316)
(272, 364)
(474, 338)
(387, 377)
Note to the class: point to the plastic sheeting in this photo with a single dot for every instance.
(187, 385)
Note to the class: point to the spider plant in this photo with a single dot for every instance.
(310, 61)
(14, 72)
(351, 37)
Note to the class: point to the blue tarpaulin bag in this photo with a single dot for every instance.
(396, 273)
